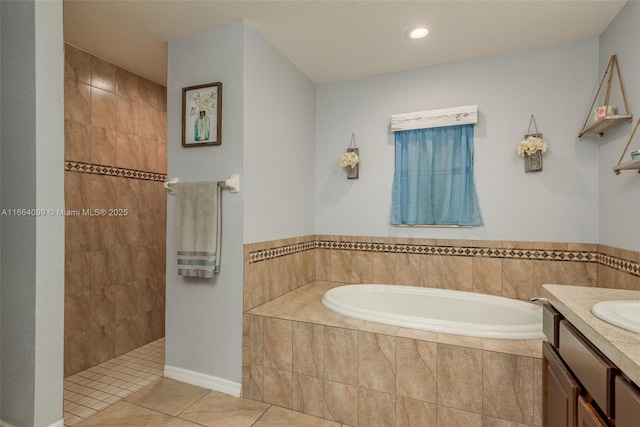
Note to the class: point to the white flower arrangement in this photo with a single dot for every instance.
(531, 145)
(349, 159)
(204, 103)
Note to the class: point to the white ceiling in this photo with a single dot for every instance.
(331, 41)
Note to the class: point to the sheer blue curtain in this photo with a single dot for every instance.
(433, 180)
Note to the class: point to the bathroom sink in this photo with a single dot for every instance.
(622, 313)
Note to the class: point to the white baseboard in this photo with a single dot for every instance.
(202, 380)
(59, 423)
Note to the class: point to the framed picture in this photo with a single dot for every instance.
(202, 115)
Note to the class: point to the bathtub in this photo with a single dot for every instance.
(438, 310)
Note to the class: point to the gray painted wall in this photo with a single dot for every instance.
(555, 84)
(619, 195)
(279, 144)
(32, 252)
(268, 138)
(204, 316)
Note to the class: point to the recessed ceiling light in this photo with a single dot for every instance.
(417, 32)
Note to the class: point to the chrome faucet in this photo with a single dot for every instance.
(536, 299)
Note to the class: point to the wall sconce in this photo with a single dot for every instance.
(532, 147)
(351, 159)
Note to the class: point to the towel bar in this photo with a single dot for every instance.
(232, 183)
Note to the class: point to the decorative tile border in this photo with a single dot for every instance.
(626, 266)
(113, 171)
(267, 254)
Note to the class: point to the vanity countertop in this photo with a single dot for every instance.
(621, 346)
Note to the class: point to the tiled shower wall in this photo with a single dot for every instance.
(115, 219)
(506, 268)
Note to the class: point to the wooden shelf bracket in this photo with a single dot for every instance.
(607, 122)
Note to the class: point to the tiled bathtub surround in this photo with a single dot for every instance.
(504, 268)
(115, 159)
(298, 355)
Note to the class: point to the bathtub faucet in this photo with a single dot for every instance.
(536, 299)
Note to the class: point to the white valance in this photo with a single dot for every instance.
(435, 118)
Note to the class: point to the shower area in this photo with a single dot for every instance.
(115, 211)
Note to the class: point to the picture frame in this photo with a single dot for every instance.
(202, 115)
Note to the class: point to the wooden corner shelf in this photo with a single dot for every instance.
(600, 126)
(632, 165)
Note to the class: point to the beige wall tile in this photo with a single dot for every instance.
(278, 344)
(450, 417)
(103, 233)
(341, 355)
(101, 344)
(278, 387)
(256, 285)
(340, 265)
(128, 151)
(507, 391)
(103, 74)
(77, 141)
(308, 349)
(459, 273)
(361, 267)
(102, 306)
(77, 354)
(517, 279)
(433, 271)
(77, 101)
(537, 392)
(77, 312)
(147, 122)
(323, 264)
(308, 395)
(416, 366)
(376, 362)
(149, 93)
(104, 269)
(487, 275)
(77, 64)
(376, 409)
(77, 272)
(103, 109)
(341, 403)
(460, 378)
(384, 267)
(103, 146)
(256, 382)
(606, 277)
(256, 339)
(415, 413)
(127, 84)
(128, 116)
(582, 273)
(407, 269)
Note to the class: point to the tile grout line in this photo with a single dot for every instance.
(126, 374)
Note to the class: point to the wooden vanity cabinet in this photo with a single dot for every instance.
(581, 386)
(560, 390)
(588, 416)
(627, 403)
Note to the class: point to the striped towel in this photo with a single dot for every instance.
(198, 217)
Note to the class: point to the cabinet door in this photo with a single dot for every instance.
(587, 416)
(560, 391)
(627, 404)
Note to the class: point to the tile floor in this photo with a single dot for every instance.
(130, 390)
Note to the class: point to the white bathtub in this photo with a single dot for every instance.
(438, 310)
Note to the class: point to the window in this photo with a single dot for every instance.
(433, 183)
